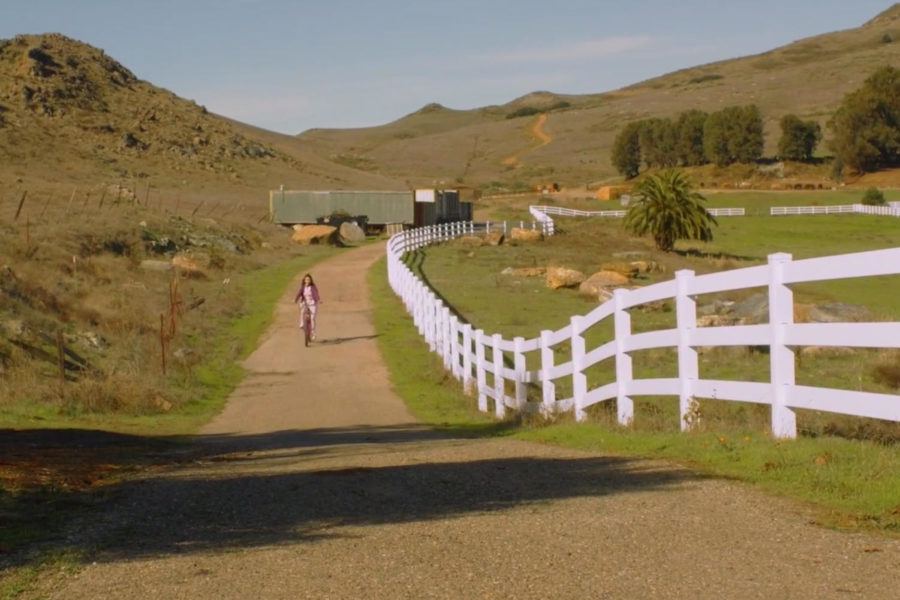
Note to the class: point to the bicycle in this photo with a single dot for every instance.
(306, 320)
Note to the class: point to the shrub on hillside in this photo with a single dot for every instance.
(525, 111)
(873, 197)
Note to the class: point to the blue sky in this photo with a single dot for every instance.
(289, 66)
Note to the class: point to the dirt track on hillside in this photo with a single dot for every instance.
(315, 482)
(537, 130)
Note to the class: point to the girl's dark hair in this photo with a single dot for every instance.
(311, 280)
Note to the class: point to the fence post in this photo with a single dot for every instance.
(579, 379)
(430, 320)
(480, 374)
(499, 387)
(419, 314)
(446, 342)
(467, 357)
(781, 357)
(624, 374)
(454, 347)
(548, 390)
(688, 366)
(520, 367)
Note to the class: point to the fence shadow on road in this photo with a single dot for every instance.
(334, 341)
(244, 491)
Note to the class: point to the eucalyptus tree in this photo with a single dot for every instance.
(666, 206)
(798, 138)
(733, 135)
(866, 125)
(689, 144)
(626, 150)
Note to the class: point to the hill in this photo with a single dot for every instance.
(808, 77)
(70, 114)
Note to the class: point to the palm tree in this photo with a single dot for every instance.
(667, 207)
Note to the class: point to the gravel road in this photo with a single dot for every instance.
(315, 482)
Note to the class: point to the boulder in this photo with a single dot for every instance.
(558, 277)
(493, 238)
(623, 268)
(715, 320)
(606, 278)
(753, 310)
(469, 241)
(716, 307)
(645, 266)
(837, 312)
(352, 233)
(525, 235)
(314, 234)
(592, 289)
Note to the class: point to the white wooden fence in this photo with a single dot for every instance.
(542, 214)
(886, 211)
(471, 354)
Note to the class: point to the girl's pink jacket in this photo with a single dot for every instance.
(315, 293)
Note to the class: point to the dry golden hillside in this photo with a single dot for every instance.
(808, 77)
(71, 115)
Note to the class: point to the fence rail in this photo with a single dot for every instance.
(886, 211)
(496, 368)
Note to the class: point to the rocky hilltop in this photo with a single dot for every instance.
(68, 110)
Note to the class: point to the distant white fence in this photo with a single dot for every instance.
(542, 214)
(887, 211)
(472, 355)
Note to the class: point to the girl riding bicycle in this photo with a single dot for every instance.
(308, 299)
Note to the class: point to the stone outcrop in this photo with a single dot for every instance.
(469, 241)
(352, 233)
(525, 235)
(600, 284)
(494, 238)
(606, 278)
(314, 234)
(559, 277)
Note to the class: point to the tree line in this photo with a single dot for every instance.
(865, 134)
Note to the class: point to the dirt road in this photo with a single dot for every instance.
(315, 482)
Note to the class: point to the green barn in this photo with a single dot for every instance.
(379, 207)
(405, 208)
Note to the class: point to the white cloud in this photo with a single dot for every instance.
(576, 51)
